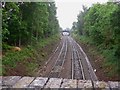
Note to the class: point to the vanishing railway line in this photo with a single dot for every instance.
(80, 67)
(77, 71)
(82, 74)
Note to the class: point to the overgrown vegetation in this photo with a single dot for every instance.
(28, 22)
(99, 25)
(30, 56)
(30, 26)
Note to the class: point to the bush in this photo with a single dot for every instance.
(6, 47)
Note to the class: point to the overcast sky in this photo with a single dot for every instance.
(67, 10)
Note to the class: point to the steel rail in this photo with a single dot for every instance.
(72, 67)
(58, 58)
(53, 53)
(91, 72)
(90, 68)
(80, 67)
(82, 70)
(66, 46)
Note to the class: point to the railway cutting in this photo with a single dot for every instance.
(69, 61)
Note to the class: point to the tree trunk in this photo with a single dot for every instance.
(19, 40)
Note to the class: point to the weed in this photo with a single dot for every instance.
(30, 56)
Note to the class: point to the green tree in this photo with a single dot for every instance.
(28, 22)
(101, 25)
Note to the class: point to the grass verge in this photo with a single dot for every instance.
(26, 61)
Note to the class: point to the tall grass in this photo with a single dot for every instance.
(11, 58)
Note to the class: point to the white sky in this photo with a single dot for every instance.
(67, 10)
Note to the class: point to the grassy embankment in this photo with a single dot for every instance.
(26, 61)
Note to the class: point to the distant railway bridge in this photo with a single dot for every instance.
(65, 33)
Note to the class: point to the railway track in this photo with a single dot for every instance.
(50, 58)
(58, 66)
(81, 67)
(77, 71)
(92, 76)
(77, 68)
(58, 46)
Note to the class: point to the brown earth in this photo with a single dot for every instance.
(21, 67)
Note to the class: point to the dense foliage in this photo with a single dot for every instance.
(100, 23)
(31, 26)
(28, 22)
(29, 59)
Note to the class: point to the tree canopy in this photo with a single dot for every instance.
(100, 23)
(28, 22)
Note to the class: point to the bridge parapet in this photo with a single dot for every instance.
(45, 82)
(65, 33)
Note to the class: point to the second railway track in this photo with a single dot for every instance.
(58, 66)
